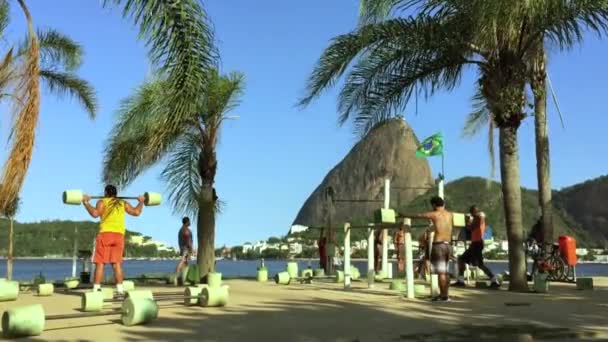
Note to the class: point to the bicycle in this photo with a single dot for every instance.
(553, 264)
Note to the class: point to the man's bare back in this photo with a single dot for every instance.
(442, 222)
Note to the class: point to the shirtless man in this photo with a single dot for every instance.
(442, 248)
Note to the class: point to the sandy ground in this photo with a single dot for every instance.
(325, 312)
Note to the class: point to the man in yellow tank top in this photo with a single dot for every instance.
(110, 242)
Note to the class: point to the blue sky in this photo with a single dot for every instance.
(273, 157)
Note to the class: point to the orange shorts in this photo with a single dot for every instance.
(109, 248)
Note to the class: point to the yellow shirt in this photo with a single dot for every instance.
(113, 218)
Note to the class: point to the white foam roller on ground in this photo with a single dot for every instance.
(9, 290)
(214, 296)
(128, 285)
(92, 301)
(108, 293)
(45, 289)
(138, 311)
(23, 321)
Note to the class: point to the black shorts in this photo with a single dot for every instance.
(474, 254)
(440, 256)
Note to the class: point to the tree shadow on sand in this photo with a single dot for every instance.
(369, 317)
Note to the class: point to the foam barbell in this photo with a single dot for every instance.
(283, 278)
(30, 320)
(203, 295)
(74, 197)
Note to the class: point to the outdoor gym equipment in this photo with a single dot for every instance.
(202, 294)
(29, 320)
(74, 197)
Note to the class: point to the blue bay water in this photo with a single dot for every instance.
(53, 269)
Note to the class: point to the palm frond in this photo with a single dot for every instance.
(181, 46)
(395, 56)
(564, 23)
(6, 71)
(181, 174)
(371, 11)
(4, 14)
(420, 53)
(479, 117)
(222, 96)
(26, 120)
(139, 138)
(57, 51)
(66, 83)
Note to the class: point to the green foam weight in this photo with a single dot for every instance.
(307, 273)
(385, 216)
(108, 293)
(23, 321)
(152, 198)
(172, 280)
(71, 284)
(45, 289)
(128, 285)
(339, 276)
(282, 278)
(420, 290)
(292, 269)
(9, 290)
(319, 272)
(73, 197)
(192, 292)
(139, 294)
(214, 279)
(584, 283)
(138, 311)
(397, 285)
(541, 284)
(263, 275)
(214, 296)
(91, 301)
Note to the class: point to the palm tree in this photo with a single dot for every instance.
(482, 117)
(431, 49)
(192, 163)
(44, 55)
(10, 212)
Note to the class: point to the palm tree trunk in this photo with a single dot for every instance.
(539, 88)
(206, 213)
(9, 260)
(206, 232)
(511, 191)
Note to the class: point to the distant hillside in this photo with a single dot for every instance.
(464, 192)
(56, 238)
(585, 204)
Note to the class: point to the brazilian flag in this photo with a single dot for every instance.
(431, 146)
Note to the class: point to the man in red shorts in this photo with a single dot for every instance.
(110, 241)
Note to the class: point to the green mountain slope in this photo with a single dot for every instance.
(56, 238)
(584, 205)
